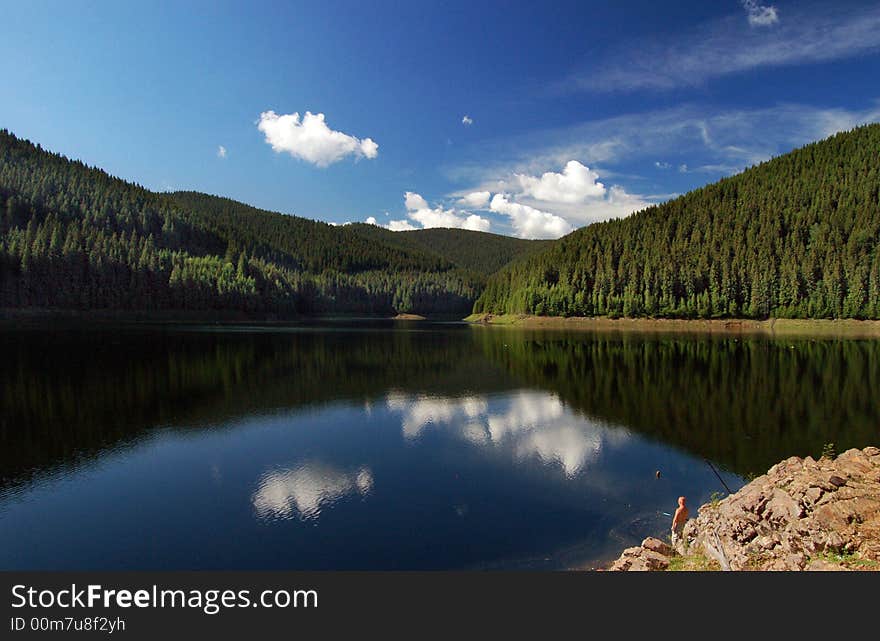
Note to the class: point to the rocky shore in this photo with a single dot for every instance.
(802, 514)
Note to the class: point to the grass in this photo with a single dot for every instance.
(695, 562)
(501, 319)
(849, 560)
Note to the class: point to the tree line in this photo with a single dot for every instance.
(794, 237)
(74, 237)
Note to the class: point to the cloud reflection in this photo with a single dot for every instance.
(305, 490)
(421, 411)
(532, 424)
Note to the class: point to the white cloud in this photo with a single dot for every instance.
(310, 138)
(575, 184)
(401, 225)
(552, 204)
(661, 165)
(221, 151)
(730, 46)
(429, 217)
(475, 199)
(760, 16)
(467, 121)
(529, 222)
(393, 225)
(413, 201)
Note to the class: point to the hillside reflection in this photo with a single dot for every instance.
(67, 396)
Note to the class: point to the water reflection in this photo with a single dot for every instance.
(66, 396)
(306, 489)
(379, 448)
(420, 411)
(532, 425)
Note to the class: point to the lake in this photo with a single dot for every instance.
(393, 445)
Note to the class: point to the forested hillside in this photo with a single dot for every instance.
(796, 236)
(475, 250)
(74, 237)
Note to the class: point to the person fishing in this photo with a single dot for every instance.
(678, 521)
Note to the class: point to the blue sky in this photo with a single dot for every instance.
(576, 111)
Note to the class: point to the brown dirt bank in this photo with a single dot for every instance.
(802, 514)
(848, 328)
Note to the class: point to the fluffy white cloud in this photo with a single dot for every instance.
(476, 199)
(551, 204)
(467, 121)
(575, 184)
(401, 225)
(394, 225)
(221, 151)
(428, 217)
(529, 222)
(414, 201)
(310, 138)
(760, 16)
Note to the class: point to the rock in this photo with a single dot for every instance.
(836, 481)
(654, 561)
(781, 507)
(813, 494)
(784, 519)
(834, 541)
(753, 500)
(820, 565)
(620, 565)
(639, 559)
(658, 546)
(795, 561)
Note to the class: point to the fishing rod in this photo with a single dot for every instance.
(718, 475)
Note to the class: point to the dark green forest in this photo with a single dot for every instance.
(73, 237)
(794, 237)
(478, 251)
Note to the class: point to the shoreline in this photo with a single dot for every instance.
(190, 316)
(849, 328)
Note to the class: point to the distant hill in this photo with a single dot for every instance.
(477, 251)
(797, 236)
(74, 237)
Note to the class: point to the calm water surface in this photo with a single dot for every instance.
(381, 445)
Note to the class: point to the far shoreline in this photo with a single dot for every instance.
(37, 314)
(848, 328)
